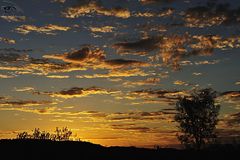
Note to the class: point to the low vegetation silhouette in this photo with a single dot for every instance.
(60, 134)
(197, 116)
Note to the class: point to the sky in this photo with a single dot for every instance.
(112, 70)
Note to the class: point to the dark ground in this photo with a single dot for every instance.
(39, 149)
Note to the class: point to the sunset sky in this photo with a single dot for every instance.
(112, 70)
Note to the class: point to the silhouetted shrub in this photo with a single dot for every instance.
(63, 134)
(157, 147)
(23, 135)
(37, 134)
(197, 118)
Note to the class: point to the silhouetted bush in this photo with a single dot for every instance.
(197, 118)
(157, 147)
(23, 135)
(63, 134)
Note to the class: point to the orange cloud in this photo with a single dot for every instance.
(62, 120)
(94, 7)
(206, 62)
(233, 94)
(104, 29)
(24, 89)
(148, 96)
(179, 82)
(95, 59)
(237, 83)
(76, 92)
(231, 97)
(87, 116)
(172, 49)
(14, 18)
(233, 119)
(7, 40)
(57, 76)
(4, 76)
(82, 59)
(165, 12)
(183, 83)
(148, 81)
(23, 64)
(117, 73)
(48, 29)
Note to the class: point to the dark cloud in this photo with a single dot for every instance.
(59, 1)
(86, 54)
(138, 47)
(94, 58)
(82, 59)
(12, 57)
(123, 125)
(231, 94)
(140, 115)
(169, 109)
(45, 66)
(96, 114)
(77, 92)
(163, 95)
(212, 14)
(228, 136)
(24, 103)
(156, 1)
(138, 129)
(171, 96)
(14, 50)
(124, 62)
(172, 49)
(2, 98)
(82, 56)
(231, 97)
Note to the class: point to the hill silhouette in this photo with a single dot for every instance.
(45, 149)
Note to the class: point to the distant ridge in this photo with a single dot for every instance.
(45, 149)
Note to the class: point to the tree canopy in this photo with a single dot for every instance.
(197, 118)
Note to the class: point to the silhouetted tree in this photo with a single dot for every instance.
(197, 118)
